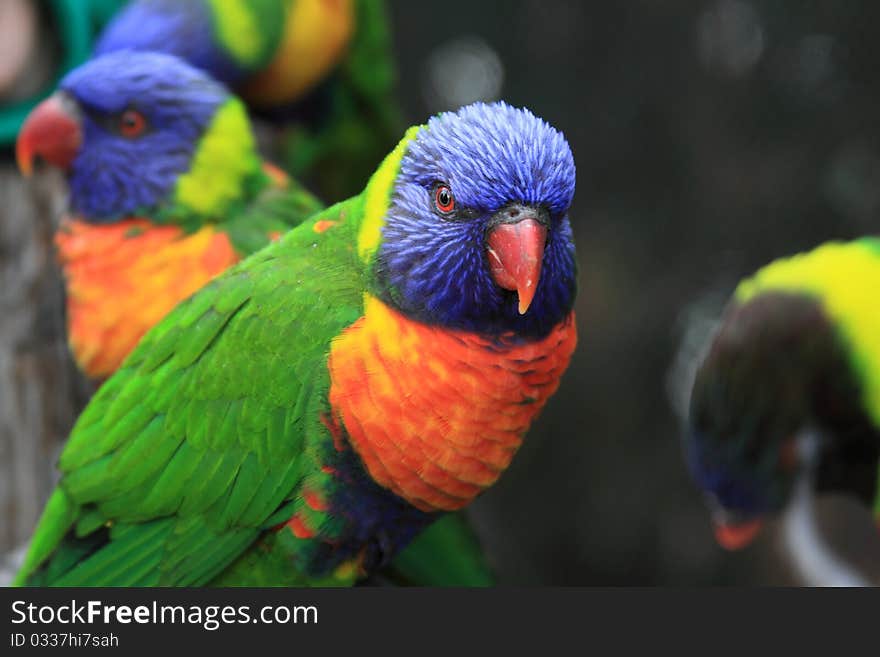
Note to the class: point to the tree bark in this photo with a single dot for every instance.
(41, 392)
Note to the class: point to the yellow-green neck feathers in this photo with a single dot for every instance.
(249, 30)
(377, 198)
(224, 165)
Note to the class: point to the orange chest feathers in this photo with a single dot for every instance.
(437, 415)
(123, 278)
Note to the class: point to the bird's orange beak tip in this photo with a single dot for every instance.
(736, 536)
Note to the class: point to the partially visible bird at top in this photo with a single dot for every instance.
(321, 68)
(787, 395)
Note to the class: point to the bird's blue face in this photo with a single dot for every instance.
(742, 486)
(477, 235)
(736, 483)
(124, 126)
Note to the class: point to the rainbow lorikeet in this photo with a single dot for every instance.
(322, 68)
(312, 409)
(167, 191)
(790, 388)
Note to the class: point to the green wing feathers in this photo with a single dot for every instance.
(273, 213)
(185, 455)
(198, 444)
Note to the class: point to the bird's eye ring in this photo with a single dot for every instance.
(132, 123)
(443, 199)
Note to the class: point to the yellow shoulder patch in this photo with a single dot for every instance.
(224, 158)
(378, 197)
(238, 29)
(845, 279)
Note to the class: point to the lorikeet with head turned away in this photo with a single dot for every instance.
(306, 414)
(322, 68)
(167, 191)
(790, 389)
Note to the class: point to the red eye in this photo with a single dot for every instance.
(132, 123)
(443, 199)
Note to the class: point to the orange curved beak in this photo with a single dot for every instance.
(50, 132)
(516, 252)
(737, 535)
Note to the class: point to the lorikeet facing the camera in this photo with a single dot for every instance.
(167, 191)
(790, 388)
(321, 68)
(306, 414)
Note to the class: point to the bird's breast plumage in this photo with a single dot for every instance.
(123, 278)
(435, 414)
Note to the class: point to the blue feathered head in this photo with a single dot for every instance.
(128, 127)
(476, 235)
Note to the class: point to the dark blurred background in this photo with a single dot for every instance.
(710, 137)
